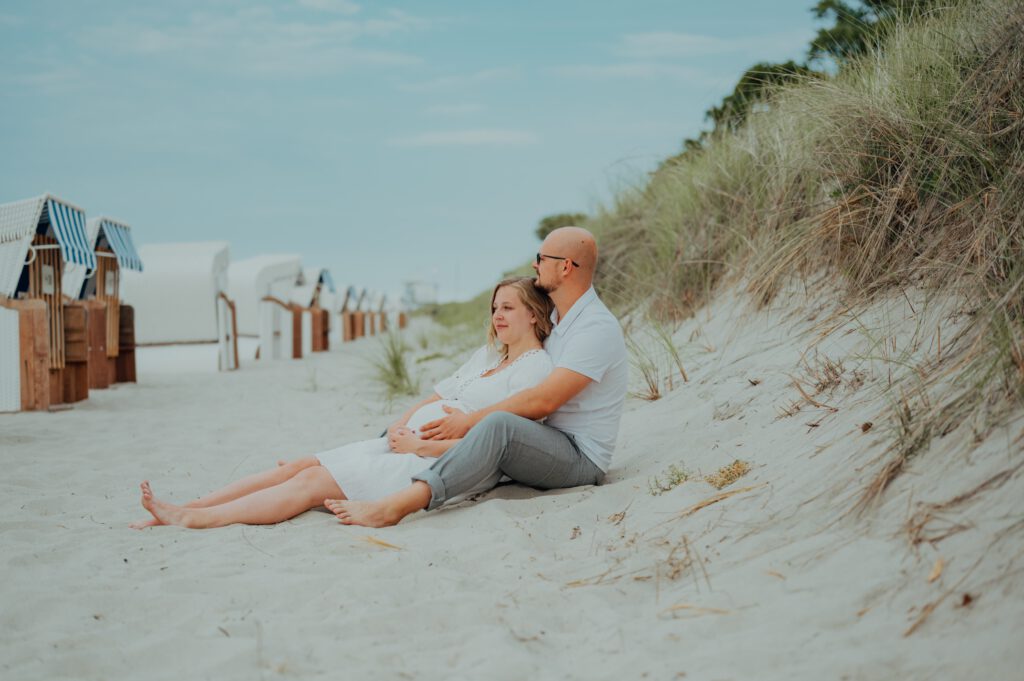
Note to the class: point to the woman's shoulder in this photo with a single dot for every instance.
(482, 357)
(537, 359)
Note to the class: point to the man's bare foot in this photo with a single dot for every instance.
(365, 513)
(143, 524)
(165, 513)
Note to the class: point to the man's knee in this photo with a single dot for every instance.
(499, 421)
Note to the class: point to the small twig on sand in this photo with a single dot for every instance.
(380, 542)
(695, 609)
(716, 498)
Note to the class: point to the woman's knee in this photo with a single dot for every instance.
(292, 468)
(305, 462)
(316, 482)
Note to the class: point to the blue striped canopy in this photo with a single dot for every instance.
(69, 226)
(325, 277)
(120, 239)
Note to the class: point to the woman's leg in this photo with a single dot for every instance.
(255, 482)
(305, 490)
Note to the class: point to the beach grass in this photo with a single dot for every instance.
(392, 367)
(903, 170)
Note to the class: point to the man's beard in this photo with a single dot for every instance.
(546, 288)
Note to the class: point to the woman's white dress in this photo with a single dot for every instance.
(370, 470)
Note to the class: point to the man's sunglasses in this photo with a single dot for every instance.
(555, 257)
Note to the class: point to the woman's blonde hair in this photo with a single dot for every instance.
(536, 302)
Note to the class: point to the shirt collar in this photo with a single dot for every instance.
(562, 325)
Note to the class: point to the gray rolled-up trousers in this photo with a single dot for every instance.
(505, 444)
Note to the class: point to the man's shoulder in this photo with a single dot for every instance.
(598, 316)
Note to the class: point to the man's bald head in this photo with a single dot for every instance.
(574, 243)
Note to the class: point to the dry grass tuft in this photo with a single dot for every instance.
(726, 475)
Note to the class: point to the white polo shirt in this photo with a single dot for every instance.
(588, 340)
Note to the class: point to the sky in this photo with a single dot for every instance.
(388, 142)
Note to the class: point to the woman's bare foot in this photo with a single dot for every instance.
(365, 513)
(143, 524)
(163, 512)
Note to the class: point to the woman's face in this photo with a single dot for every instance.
(512, 320)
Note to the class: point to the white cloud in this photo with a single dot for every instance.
(53, 79)
(638, 71)
(668, 44)
(256, 40)
(463, 109)
(458, 82)
(338, 6)
(467, 138)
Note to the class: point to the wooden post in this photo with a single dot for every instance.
(296, 332)
(321, 329)
(76, 352)
(234, 331)
(348, 330)
(99, 372)
(403, 320)
(125, 370)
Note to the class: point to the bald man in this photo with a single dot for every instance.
(581, 401)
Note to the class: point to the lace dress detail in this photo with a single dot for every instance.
(463, 383)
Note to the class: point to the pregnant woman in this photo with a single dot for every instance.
(513, 360)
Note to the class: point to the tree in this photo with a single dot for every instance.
(858, 27)
(553, 222)
(754, 86)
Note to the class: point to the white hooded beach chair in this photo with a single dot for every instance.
(181, 300)
(261, 287)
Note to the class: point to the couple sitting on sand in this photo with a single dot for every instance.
(555, 353)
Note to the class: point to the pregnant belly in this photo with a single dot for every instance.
(433, 411)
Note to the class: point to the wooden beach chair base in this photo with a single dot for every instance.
(99, 366)
(124, 370)
(76, 353)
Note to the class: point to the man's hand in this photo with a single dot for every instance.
(451, 427)
(402, 440)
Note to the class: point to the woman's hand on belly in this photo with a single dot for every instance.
(402, 440)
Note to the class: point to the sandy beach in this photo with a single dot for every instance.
(771, 577)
